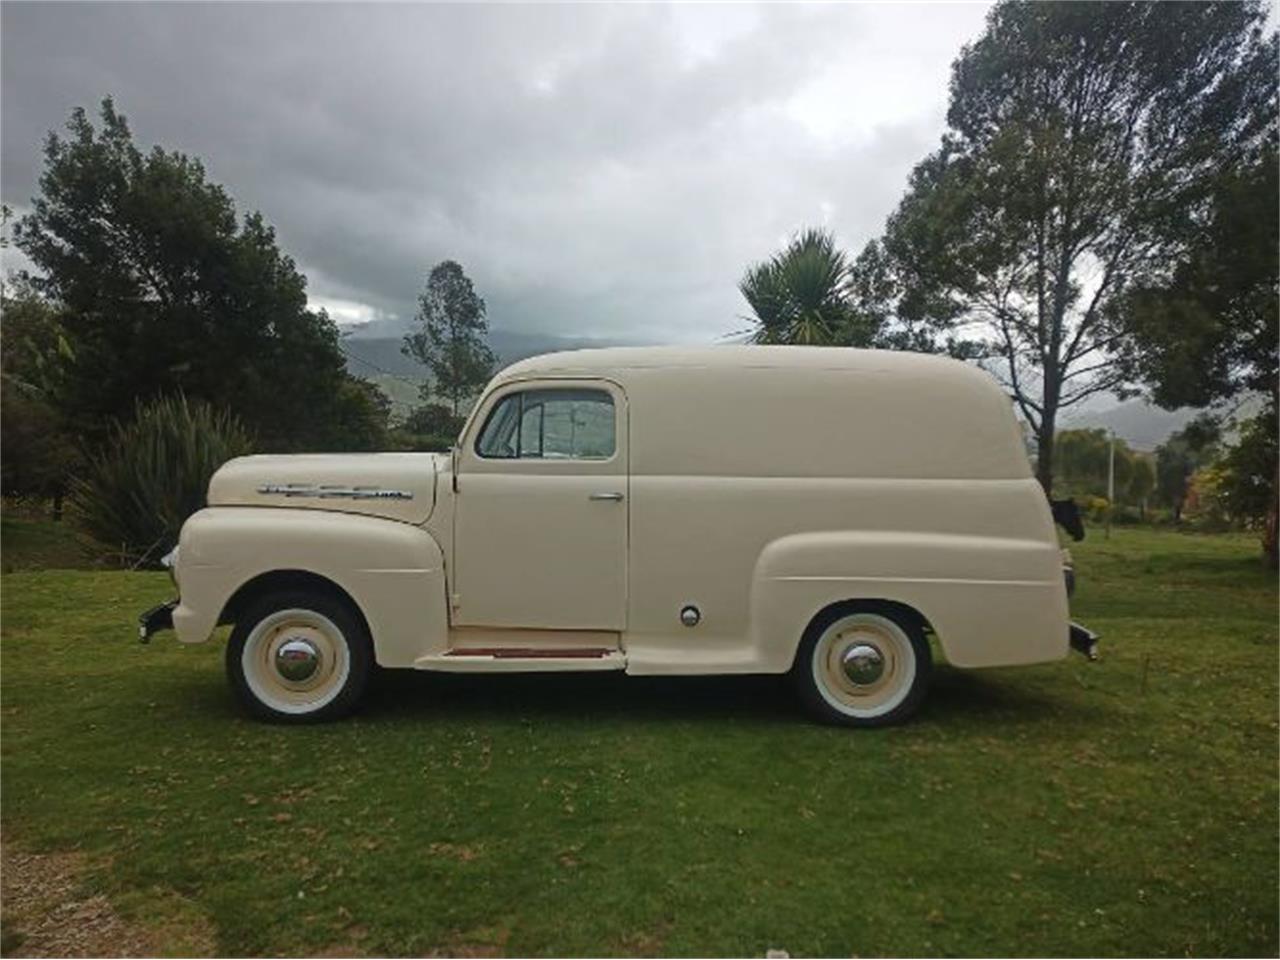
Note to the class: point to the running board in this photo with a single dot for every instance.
(522, 660)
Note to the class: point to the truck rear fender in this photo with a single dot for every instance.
(992, 601)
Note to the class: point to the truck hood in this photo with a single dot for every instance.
(397, 486)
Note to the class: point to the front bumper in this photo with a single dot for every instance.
(154, 620)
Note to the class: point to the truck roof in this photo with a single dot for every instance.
(601, 360)
(764, 411)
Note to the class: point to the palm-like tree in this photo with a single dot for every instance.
(800, 295)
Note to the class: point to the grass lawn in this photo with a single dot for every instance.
(1123, 807)
(36, 543)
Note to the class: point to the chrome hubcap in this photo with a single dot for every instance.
(863, 664)
(297, 659)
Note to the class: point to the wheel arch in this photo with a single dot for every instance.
(278, 581)
(390, 573)
(895, 609)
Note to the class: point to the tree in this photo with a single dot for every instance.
(1082, 462)
(1083, 141)
(1082, 458)
(450, 342)
(162, 288)
(1142, 480)
(800, 296)
(1179, 457)
(433, 420)
(1246, 484)
(39, 447)
(1206, 332)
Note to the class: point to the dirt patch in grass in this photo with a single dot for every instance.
(47, 912)
(483, 942)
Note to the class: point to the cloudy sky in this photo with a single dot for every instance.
(599, 170)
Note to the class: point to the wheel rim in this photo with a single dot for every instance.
(295, 661)
(864, 665)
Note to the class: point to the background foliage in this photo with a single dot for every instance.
(153, 472)
(160, 286)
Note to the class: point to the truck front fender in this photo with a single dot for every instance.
(992, 601)
(392, 571)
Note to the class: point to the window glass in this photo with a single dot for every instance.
(568, 424)
(498, 438)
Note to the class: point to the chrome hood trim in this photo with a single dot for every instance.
(395, 486)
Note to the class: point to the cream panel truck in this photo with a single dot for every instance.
(818, 512)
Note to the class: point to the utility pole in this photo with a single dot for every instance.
(1111, 481)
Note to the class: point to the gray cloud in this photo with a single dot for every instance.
(599, 170)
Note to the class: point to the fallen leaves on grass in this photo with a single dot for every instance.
(48, 914)
(453, 851)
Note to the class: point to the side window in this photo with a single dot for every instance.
(568, 424)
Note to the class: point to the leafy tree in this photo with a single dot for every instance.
(39, 448)
(161, 287)
(1083, 141)
(1178, 458)
(433, 419)
(1142, 479)
(1206, 332)
(450, 342)
(430, 427)
(800, 296)
(1246, 486)
(1082, 461)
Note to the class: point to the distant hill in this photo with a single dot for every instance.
(378, 358)
(368, 355)
(1140, 424)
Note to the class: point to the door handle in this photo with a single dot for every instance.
(605, 496)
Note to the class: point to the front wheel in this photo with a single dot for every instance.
(299, 657)
(863, 667)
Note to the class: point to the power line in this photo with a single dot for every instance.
(371, 365)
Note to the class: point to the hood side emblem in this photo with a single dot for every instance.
(332, 491)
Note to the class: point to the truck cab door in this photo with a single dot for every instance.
(540, 535)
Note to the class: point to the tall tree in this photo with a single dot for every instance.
(39, 445)
(1083, 139)
(450, 340)
(1179, 457)
(1206, 332)
(161, 288)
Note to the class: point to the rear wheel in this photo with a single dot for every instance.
(299, 657)
(863, 666)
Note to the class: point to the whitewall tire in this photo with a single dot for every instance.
(863, 666)
(299, 657)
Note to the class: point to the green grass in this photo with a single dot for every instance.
(29, 542)
(1123, 807)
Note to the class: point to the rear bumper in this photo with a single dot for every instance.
(1083, 640)
(156, 619)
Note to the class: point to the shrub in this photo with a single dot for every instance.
(153, 472)
(404, 441)
(434, 420)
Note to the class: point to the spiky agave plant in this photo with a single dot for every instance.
(152, 473)
(799, 295)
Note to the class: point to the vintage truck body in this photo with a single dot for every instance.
(653, 510)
